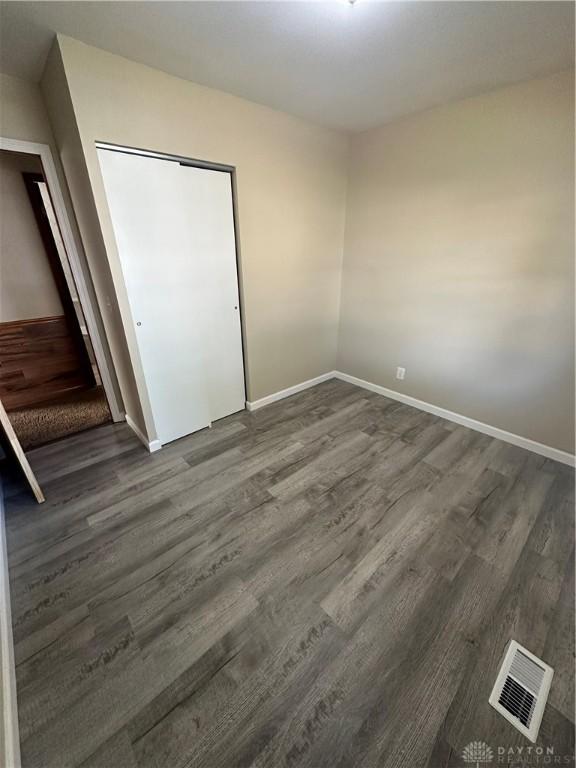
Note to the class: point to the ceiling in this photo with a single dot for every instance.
(346, 66)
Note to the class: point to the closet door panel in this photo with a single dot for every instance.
(167, 295)
(210, 208)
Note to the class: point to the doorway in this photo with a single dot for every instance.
(50, 381)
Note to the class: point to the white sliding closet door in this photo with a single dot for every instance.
(174, 228)
(166, 293)
(209, 205)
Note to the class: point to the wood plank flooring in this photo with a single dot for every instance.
(41, 359)
(330, 581)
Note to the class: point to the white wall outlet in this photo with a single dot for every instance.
(400, 372)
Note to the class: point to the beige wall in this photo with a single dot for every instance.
(27, 286)
(23, 116)
(459, 259)
(59, 104)
(291, 181)
(458, 246)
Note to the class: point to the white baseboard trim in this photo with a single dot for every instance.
(10, 739)
(500, 434)
(155, 445)
(256, 404)
(465, 421)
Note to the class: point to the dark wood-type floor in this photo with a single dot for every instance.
(328, 582)
(41, 359)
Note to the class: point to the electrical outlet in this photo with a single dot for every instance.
(400, 372)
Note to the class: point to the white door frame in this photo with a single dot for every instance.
(90, 311)
(10, 738)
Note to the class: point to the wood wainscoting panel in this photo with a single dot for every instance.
(39, 360)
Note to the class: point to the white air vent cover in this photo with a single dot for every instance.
(521, 689)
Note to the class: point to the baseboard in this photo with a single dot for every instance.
(256, 404)
(155, 445)
(10, 738)
(465, 421)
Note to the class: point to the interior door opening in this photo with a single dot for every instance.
(50, 382)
